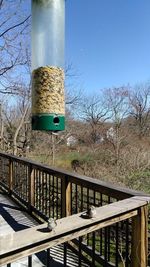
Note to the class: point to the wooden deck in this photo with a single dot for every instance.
(14, 219)
(51, 192)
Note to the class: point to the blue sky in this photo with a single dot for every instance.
(108, 42)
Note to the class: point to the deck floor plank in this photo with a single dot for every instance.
(13, 219)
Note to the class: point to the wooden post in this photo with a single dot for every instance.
(31, 188)
(139, 251)
(66, 196)
(10, 182)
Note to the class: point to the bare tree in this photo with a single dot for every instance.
(117, 103)
(95, 113)
(14, 69)
(14, 42)
(73, 92)
(16, 117)
(139, 100)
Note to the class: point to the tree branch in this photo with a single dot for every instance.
(1, 2)
(14, 26)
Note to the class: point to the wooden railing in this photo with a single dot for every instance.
(49, 192)
(35, 239)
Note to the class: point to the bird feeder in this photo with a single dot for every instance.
(48, 109)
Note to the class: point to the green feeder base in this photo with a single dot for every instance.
(48, 122)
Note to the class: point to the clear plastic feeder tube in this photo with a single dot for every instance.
(48, 18)
(48, 24)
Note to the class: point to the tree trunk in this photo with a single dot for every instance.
(18, 129)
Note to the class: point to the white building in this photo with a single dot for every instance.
(71, 140)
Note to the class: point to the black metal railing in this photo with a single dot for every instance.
(50, 192)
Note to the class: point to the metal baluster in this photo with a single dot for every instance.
(88, 235)
(71, 199)
(81, 238)
(38, 185)
(127, 244)
(26, 187)
(101, 230)
(48, 257)
(45, 193)
(21, 182)
(65, 254)
(30, 261)
(93, 248)
(38, 191)
(35, 191)
(117, 245)
(60, 195)
(49, 193)
(109, 231)
(93, 236)
(53, 196)
(106, 247)
(79, 255)
(81, 198)
(76, 198)
(57, 197)
(42, 195)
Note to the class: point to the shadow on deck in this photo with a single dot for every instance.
(13, 219)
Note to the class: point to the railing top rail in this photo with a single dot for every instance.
(92, 183)
(35, 239)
